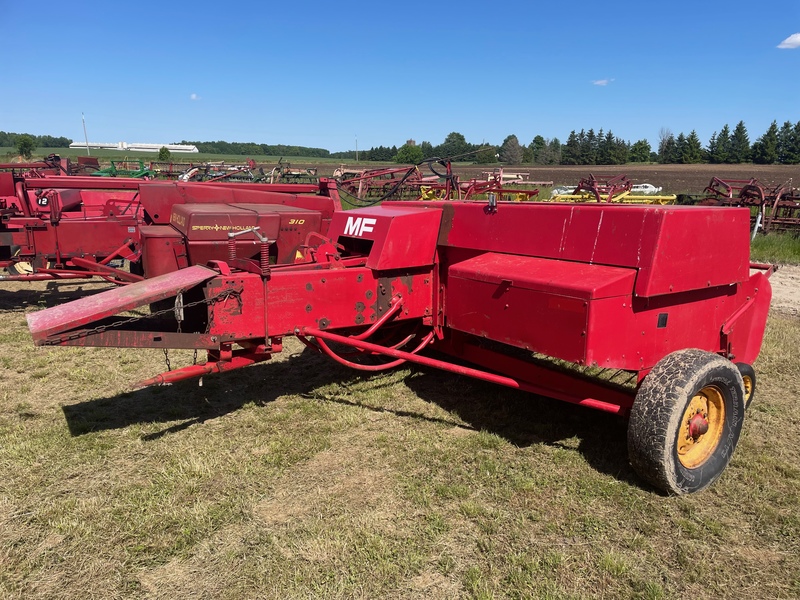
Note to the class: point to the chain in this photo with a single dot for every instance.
(166, 359)
(224, 295)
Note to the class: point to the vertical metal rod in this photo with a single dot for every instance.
(86, 137)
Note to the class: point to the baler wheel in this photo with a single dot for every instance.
(749, 378)
(23, 267)
(686, 420)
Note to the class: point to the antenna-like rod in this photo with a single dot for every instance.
(86, 137)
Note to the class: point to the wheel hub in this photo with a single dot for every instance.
(698, 425)
(701, 427)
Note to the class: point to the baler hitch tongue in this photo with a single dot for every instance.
(51, 326)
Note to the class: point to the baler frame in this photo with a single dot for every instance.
(593, 285)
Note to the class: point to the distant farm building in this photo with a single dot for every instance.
(135, 147)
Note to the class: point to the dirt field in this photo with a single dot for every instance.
(675, 179)
(786, 289)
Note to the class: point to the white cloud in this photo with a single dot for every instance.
(793, 41)
(602, 82)
(194, 97)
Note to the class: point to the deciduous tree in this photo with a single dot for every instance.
(409, 155)
(25, 145)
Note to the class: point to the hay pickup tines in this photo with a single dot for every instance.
(613, 188)
(777, 207)
(623, 291)
(79, 227)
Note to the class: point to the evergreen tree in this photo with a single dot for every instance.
(536, 148)
(589, 149)
(794, 155)
(571, 153)
(511, 151)
(740, 144)
(712, 148)
(722, 150)
(666, 149)
(679, 151)
(765, 149)
(553, 156)
(693, 149)
(785, 143)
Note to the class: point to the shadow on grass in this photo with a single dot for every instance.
(521, 418)
(47, 295)
(526, 419)
(192, 403)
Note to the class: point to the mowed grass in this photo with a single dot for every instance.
(781, 248)
(298, 478)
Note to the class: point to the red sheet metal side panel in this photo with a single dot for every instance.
(7, 184)
(78, 313)
(403, 237)
(711, 242)
(698, 247)
(579, 280)
(97, 237)
(538, 304)
(341, 298)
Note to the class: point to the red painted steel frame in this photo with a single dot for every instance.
(609, 285)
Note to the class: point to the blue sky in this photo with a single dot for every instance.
(324, 74)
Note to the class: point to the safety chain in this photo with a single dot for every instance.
(222, 296)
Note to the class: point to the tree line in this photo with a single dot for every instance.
(9, 140)
(777, 145)
(253, 149)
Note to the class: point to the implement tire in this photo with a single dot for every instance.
(749, 378)
(686, 420)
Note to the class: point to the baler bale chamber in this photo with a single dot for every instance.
(664, 294)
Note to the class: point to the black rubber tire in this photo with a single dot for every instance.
(749, 378)
(17, 269)
(657, 413)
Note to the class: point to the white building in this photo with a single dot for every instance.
(125, 146)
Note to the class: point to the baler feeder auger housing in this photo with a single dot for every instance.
(609, 286)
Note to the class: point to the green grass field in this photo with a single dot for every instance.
(299, 478)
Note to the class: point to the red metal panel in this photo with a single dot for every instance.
(698, 247)
(340, 298)
(710, 243)
(158, 198)
(85, 183)
(90, 309)
(161, 248)
(538, 304)
(403, 237)
(578, 280)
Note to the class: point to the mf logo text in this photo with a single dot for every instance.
(358, 226)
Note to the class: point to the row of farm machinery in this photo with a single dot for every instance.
(502, 290)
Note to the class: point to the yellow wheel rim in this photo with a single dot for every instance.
(748, 388)
(701, 427)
